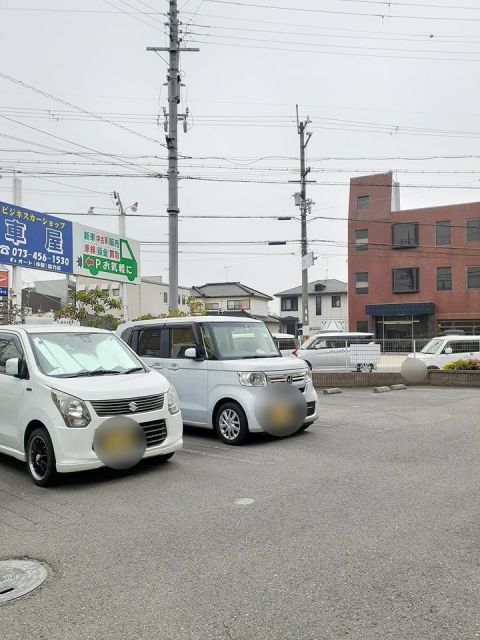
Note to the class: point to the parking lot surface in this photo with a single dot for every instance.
(366, 526)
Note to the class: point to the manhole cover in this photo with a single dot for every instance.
(18, 577)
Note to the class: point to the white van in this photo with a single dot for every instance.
(440, 351)
(219, 366)
(341, 351)
(59, 384)
(286, 343)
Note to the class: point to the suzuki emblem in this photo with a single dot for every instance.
(133, 406)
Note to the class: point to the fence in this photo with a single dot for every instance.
(336, 354)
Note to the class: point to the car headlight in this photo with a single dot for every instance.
(172, 399)
(73, 410)
(308, 375)
(252, 378)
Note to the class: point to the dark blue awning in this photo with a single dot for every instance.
(406, 309)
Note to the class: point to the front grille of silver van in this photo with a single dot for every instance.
(292, 377)
(128, 406)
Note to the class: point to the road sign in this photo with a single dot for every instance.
(35, 240)
(101, 254)
(308, 260)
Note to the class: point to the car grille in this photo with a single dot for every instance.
(310, 408)
(128, 406)
(155, 432)
(293, 377)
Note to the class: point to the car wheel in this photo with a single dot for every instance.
(365, 368)
(304, 426)
(40, 455)
(231, 423)
(165, 457)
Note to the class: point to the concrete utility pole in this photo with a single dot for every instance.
(122, 232)
(17, 271)
(304, 206)
(173, 79)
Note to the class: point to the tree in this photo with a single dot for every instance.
(92, 309)
(195, 308)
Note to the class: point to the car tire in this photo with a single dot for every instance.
(304, 426)
(365, 368)
(164, 457)
(230, 423)
(40, 457)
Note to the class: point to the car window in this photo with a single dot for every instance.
(181, 339)
(149, 343)
(463, 346)
(9, 348)
(207, 343)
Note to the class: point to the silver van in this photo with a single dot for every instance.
(341, 351)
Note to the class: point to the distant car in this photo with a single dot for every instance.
(440, 351)
(286, 343)
(341, 351)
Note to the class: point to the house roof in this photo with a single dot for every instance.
(329, 286)
(228, 290)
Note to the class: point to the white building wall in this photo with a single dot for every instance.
(258, 306)
(329, 313)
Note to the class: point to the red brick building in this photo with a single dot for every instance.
(412, 273)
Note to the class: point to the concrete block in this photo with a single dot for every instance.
(381, 389)
(397, 387)
(328, 392)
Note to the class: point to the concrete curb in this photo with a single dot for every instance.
(328, 392)
(381, 389)
(397, 387)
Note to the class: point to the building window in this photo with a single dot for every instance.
(183, 299)
(289, 304)
(211, 306)
(470, 327)
(405, 280)
(165, 296)
(336, 302)
(361, 282)
(473, 230)
(116, 292)
(444, 278)
(362, 325)
(318, 305)
(361, 240)
(405, 235)
(443, 232)
(473, 277)
(362, 202)
(237, 305)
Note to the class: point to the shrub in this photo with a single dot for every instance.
(463, 365)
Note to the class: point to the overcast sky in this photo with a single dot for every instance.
(374, 87)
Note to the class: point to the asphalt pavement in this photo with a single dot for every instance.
(364, 527)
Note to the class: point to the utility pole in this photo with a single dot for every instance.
(173, 80)
(304, 207)
(16, 302)
(122, 232)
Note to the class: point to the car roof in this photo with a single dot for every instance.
(194, 319)
(283, 335)
(457, 336)
(50, 328)
(339, 334)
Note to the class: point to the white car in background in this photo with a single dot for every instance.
(286, 343)
(340, 350)
(440, 351)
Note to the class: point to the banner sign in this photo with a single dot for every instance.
(101, 254)
(3, 284)
(35, 240)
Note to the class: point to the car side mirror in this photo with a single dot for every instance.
(13, 367)
(191, 353)
(448, 350)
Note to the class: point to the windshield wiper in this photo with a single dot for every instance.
(133, 370)
(257, 356)
(97, 372)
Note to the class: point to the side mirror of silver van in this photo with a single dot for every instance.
(191, 353)
(12, 367)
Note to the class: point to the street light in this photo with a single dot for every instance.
(122, 231)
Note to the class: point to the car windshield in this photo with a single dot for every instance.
(432, 346)
(243, 340)
(71, 355)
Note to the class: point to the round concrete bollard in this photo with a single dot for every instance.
(414, 370)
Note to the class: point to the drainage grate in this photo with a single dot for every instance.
(18, 577)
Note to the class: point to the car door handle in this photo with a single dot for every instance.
(173, 366)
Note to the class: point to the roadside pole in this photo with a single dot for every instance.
(16, 302)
